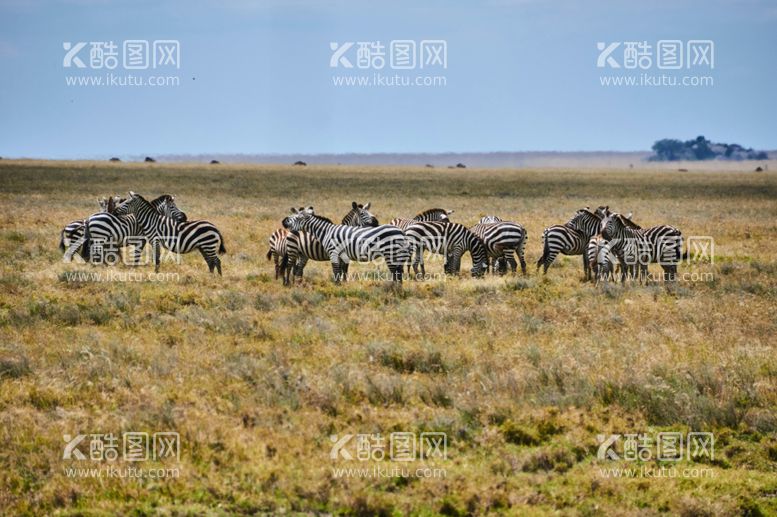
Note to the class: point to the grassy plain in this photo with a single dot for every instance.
(522, 373)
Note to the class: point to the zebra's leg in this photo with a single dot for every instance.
(157, 251)
(670, 272)
(521, 256)
(418, 259)
(71, 250)
(624, 269)
(586, 267)
(546, 261)
(299, 268)
(510, 259)
(137, 250)
(334, 258)
(344, 268)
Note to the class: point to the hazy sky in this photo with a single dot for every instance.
(255, 77)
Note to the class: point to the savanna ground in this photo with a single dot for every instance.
(522, 373)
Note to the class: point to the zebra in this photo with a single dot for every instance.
(486, 219)
(119, 229)
(502, 240)
(292, 250)
(346, 243)
(628, 243)
(176, 236)
(449, 239)
(278, 252)
(661, 244)
(570, 238)
(433, 214)
(360, 216)
(75, 229)
(601, 258)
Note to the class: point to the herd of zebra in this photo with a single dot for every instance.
(605, 239)
(136, 221)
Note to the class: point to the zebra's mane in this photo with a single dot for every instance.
(628, 222)
(431, 211)
(321, 218)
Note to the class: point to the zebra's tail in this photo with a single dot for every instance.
(222, 249)
(269, 252)
(62, 240)
(86, 248)
(545, 248)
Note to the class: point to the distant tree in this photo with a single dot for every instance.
(668, 149)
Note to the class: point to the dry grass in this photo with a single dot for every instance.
(522, 373)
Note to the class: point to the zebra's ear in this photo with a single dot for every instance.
(367, 206)
(293, 210)
(354, 205)
(132, 194)
(628, 216)
(449, 212)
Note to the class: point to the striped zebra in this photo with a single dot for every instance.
(628, 243)
(176, 236)
(570, 238)
(660, 244)
(360, 216)
(601, 259)
(346, 243)
(75, 229)
(118, 229)
(502, 240)
(448, 239)
(433, 214)
(486, 219)
(292, 250)
(278, 252)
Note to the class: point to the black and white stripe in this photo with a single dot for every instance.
(503, 240)
(346, 243)
(661, 244)
(108, 231)
(360, 216)
(570, 238)
(74, 230)
(448, 239)
(601, 259)
(278, 252)
(176, 236)
(433, 214)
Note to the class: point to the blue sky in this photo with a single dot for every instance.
(255, 77)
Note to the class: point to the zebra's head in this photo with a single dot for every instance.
(169, 209)
(586, 222)
(434, 214)
(615, 225)
(131, 204)
(488, 219)
(602, 211)
(298, 217)
(103, 202)
(360, 216)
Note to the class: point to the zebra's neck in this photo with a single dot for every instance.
(352, 219)
(149, 218)
(316, 226)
